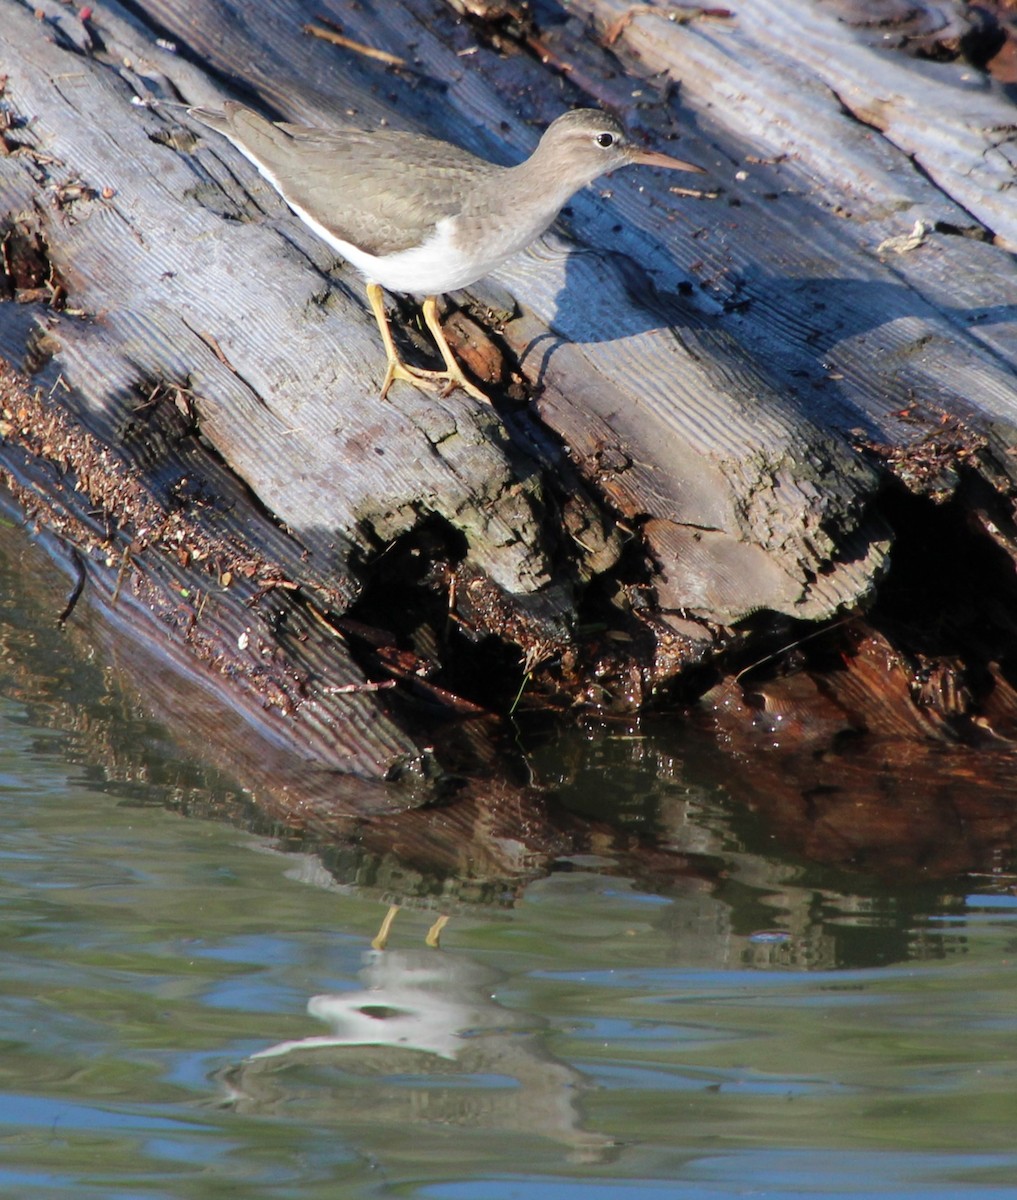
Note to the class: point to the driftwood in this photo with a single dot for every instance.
(703, 398)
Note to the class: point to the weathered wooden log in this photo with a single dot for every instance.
(723, 384)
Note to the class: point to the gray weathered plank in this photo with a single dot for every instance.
(713, 365)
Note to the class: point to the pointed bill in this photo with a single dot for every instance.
(653, 158)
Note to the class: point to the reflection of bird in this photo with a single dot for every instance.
(423, 1024)
(414, 214)
(412, 1000)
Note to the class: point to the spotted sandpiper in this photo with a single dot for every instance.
(418, 215)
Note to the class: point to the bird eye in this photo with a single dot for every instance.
(604, 140)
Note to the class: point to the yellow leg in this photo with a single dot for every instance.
(381, 940)
(397, 369)
(453, 370)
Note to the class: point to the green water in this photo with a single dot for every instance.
(186, 1011)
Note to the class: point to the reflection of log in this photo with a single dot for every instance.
(865, 772)
(493, 835)
(723, 386)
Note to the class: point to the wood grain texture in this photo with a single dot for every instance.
(731, 376)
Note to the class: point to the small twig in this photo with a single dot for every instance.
(519, 695)
(696, 193)
(77, 589)
(337, 39)
(353, 689)
(125, 562)
(216, 349)
(678, 14)
(791, 646)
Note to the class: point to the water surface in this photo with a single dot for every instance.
(188, 1011)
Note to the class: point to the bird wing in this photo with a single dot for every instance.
(383, 191)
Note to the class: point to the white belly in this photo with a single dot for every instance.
(439, 265)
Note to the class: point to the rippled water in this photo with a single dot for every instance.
(186, 1011)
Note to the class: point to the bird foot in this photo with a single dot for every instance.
(442, 382)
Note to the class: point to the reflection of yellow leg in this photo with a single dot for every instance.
(381, 940)
(395, 367)
(434, 933)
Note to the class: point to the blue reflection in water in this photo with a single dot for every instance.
(181, 1018)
